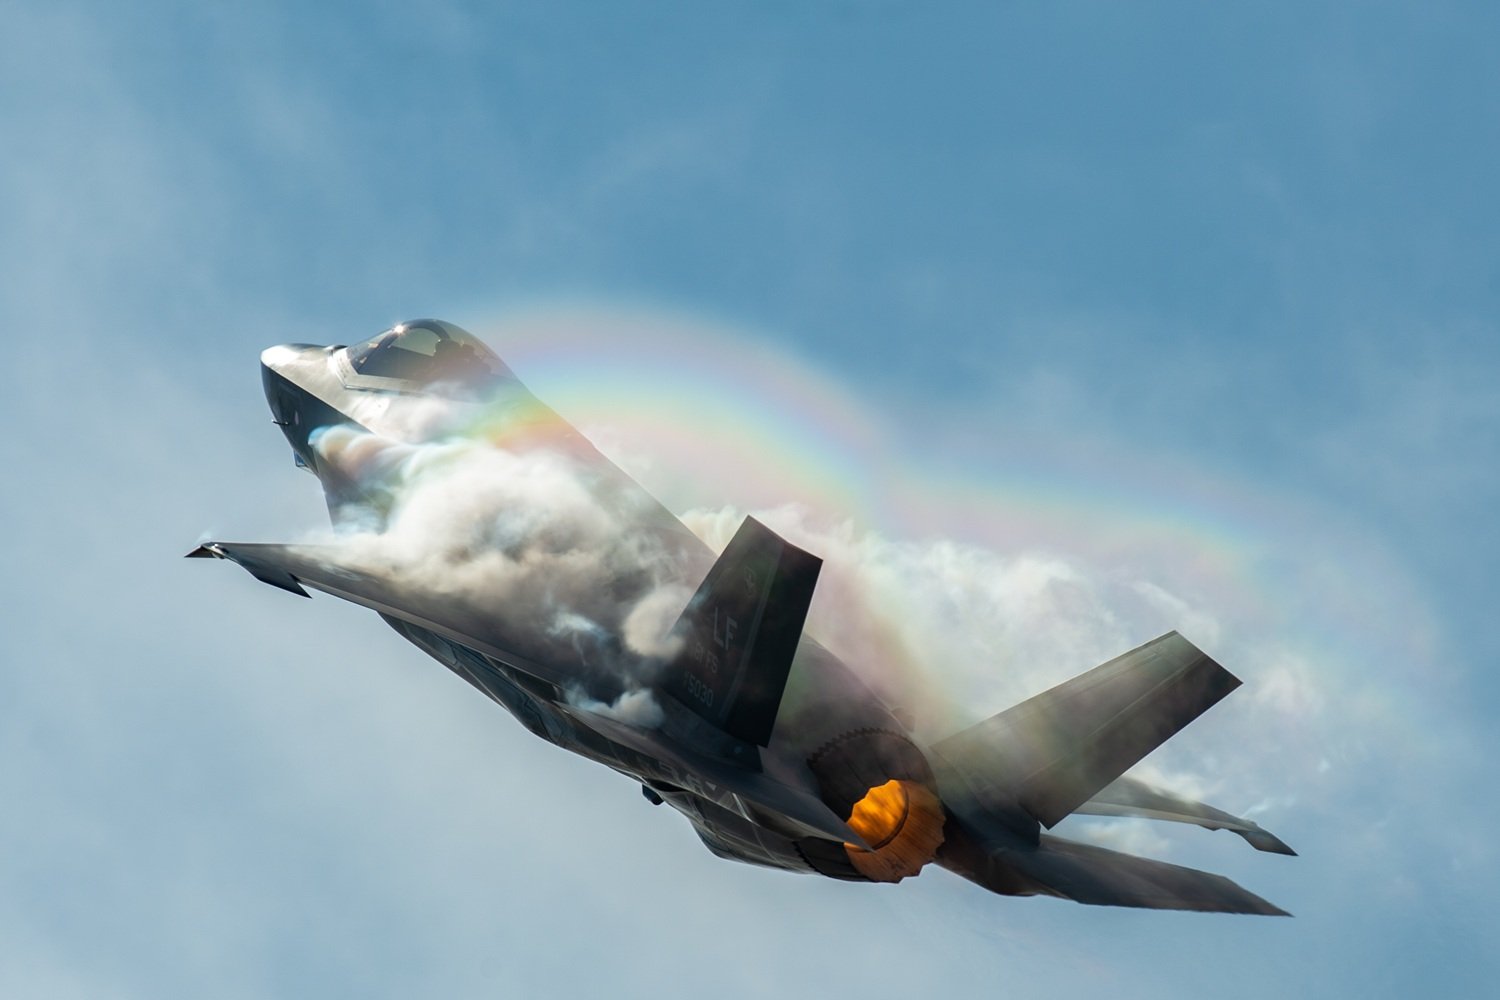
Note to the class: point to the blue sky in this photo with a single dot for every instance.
(1155, 296)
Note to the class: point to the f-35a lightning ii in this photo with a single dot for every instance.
(772, 747)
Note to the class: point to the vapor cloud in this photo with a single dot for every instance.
(952, 628)
(537, 535)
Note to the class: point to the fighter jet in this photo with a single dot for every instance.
(772, 748)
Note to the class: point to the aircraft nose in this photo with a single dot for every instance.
(278, 357)
(278, 374)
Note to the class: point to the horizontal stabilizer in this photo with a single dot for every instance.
(1051, 753)
(740, 632)
(1101, 877)
(1130, 797)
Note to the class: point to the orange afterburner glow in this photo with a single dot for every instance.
(903, 822)
(878, 816)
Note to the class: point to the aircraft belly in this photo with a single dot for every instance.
(731, 836)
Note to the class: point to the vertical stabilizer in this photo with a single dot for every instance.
(740, 633)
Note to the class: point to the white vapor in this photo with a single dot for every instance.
(955, 629)
(636, 707)
(547, 546)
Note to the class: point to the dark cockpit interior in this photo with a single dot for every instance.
(428, 352)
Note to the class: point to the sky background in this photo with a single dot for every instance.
(1054, 326)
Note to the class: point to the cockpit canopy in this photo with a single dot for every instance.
(426, 352)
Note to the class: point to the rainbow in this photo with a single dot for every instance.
(702, 412)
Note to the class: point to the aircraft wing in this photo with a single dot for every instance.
(759, 555)
(321, 567)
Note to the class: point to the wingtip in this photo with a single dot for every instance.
(261, 569)
(1264, 840)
